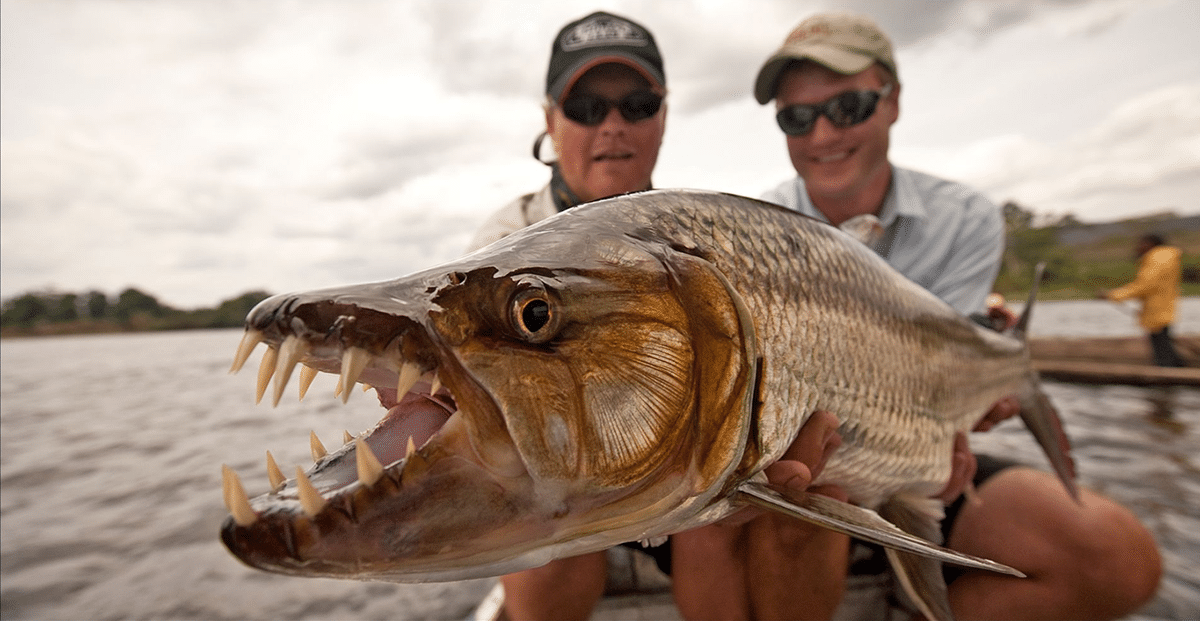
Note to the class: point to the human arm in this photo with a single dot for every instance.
(1154, 268)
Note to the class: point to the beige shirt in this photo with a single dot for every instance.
(513, 217)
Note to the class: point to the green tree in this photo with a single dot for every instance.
(24, 311)
(132, 303)
(233, 312)
(96, 304)
(64, 308)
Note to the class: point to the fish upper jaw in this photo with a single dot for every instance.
(337, 518)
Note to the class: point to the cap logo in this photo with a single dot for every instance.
(814, 30)
(602, 30)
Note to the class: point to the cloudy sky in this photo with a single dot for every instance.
(197, 150)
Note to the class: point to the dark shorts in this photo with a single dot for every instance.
(870, 559)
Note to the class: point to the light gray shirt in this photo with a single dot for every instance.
(942, 235)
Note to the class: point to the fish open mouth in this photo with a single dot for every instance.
(389, 354)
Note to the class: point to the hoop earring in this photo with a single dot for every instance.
(537, 149)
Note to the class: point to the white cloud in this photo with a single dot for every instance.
(1150, 143)
(201, 149)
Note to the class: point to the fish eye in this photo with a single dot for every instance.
(533, 316)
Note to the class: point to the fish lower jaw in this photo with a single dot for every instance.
(417, 405)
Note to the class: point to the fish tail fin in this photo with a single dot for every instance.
(1038, 412)
(1043, 421)
(920, 576)
(1021, 328)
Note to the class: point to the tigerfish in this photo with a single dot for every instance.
(623, 371)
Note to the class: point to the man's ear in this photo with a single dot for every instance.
(549, 110)
(895, 96)
(551, 126)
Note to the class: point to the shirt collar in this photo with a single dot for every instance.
(902, 200)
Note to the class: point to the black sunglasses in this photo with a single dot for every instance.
(591, 110)
(843, 110)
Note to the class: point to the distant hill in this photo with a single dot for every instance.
(1083, 258)
(1180, 231)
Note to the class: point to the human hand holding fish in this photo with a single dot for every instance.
(1001, 411)
(800, 465)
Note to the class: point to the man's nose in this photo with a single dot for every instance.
(613, 121)
(823, 130)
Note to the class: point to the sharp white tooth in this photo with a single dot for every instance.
(346, 437)
(289, 354)
(310, 498)
(318, 449)
(236, 499)
(435, 385)
(337, 390)
(249, 341)
(369, 468)
(410, 448)
(354, 360)
(307, 375)
(274, 474)
(367, 387)
(266, 369)
(409, 374)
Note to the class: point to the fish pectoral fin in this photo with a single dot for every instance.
(920, 576)
(857, 522)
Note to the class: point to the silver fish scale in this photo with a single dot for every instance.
(840, 330)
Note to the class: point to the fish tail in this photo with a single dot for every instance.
(1042, 420)
(1038, 412)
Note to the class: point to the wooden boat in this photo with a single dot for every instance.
(1113, 360)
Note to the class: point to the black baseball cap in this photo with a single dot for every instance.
(597, 39)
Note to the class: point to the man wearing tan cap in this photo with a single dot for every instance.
(836, 88)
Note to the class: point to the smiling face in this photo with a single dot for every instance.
(845, 169)
(616, 156)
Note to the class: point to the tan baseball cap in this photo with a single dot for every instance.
(843, 42)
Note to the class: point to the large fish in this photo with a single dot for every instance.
(620, 372)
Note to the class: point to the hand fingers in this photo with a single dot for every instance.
(963, 467)
(810, 445)
(1000, 411)
(805, 458)
(790, 473)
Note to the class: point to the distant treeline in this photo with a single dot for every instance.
(1084, 258)
(1080, 259)
(48, 312)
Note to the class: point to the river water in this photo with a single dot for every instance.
(111, 446)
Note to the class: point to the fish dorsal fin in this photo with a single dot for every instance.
(1021, 328)
(920, 576)
(857, 522)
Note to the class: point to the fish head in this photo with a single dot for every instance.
(591, 388)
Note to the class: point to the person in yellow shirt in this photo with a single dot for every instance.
(1157, 286)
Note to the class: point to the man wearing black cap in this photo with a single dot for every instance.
(599, 63)
(605, 118)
